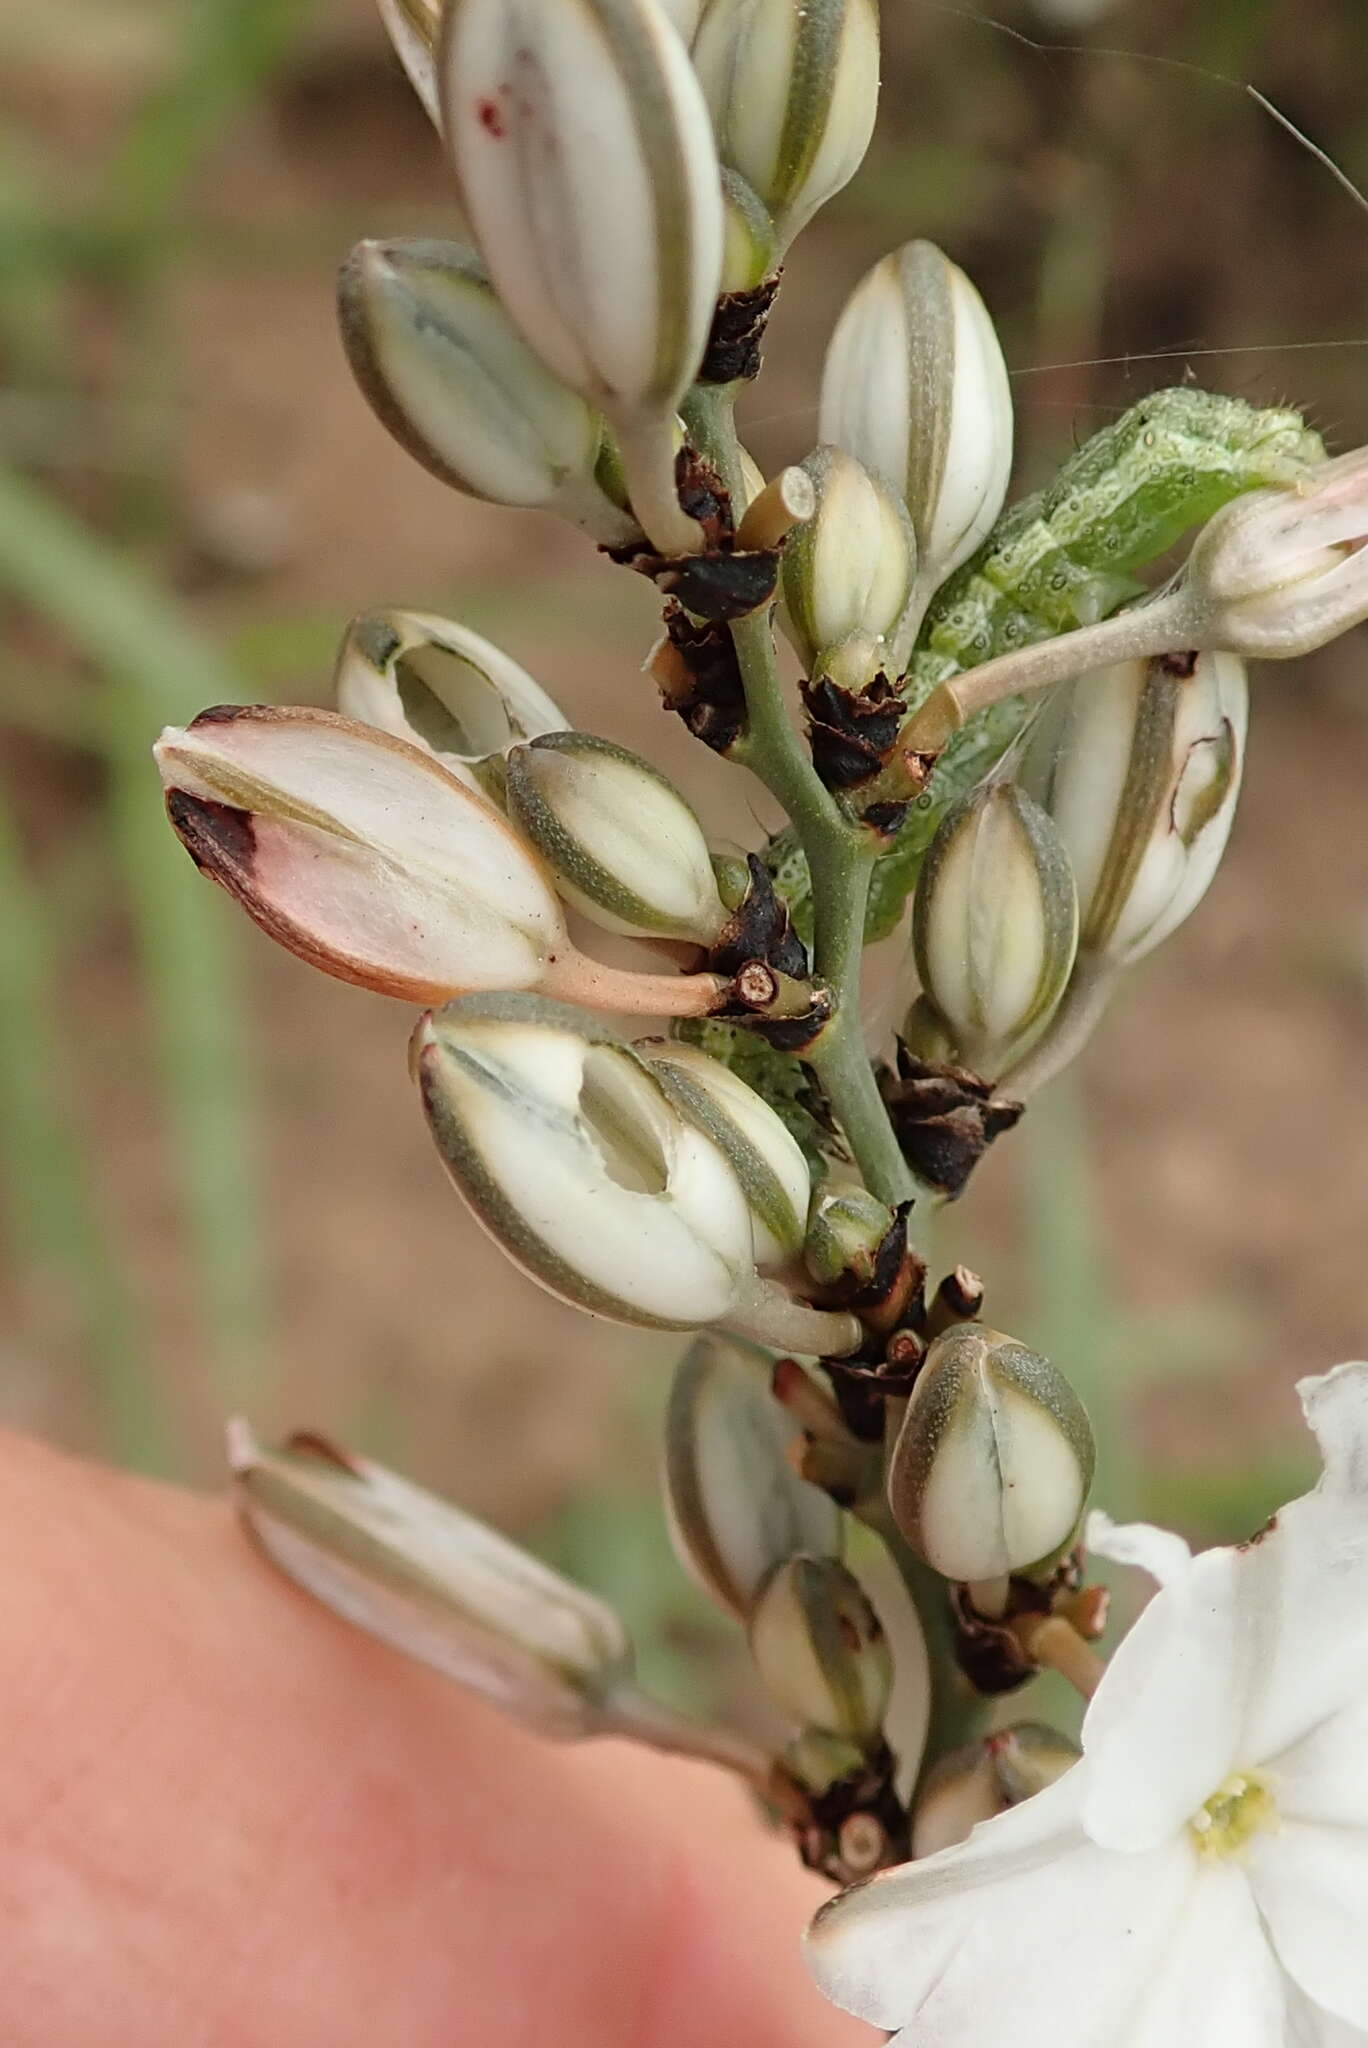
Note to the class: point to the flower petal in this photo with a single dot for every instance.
(961, 1948)
(1219, 1984)
(358, 852)
(1311, 1883)
(1164, 1727)
(1157, 1551)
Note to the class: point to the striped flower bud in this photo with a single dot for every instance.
(370, 860)
(1139, 766)
(847, 1228)
(764, 1155)
(412, 26)
(984, 1779)
(750, 250)
(434, 1583)
(571, 1154)
(848, 570)
(793, 88)
(1280, 572)
(441, 687)
(820, 1649)
(915, 386)
(587, 167)
(445, 369)
(622, 843)
(994, 924)
(737, 1506)
(991, 1467)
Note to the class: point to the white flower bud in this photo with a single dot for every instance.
(587, 167)
(994, 923)
(737, 1506)
(793, 88)
(622, 843)
(1280, 572)
(572, 1156)
(750, 251)
(763, 1153)
(1139, 766)
(984, 1779)
(447, 372)
(915, 386)
(360, 853)
(684, 14)
(434, 1583)
(820, 1649)
(848, 570)
(370, 860)
(992, 1464)
(413, 26)
(441, 687)
(847, 1226)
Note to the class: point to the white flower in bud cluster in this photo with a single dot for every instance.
(848, 570)
(413, 27)
(991, 1467)
(820, 1649)
(446, 371)
(994, 924)
(622, 843)
(915, 386)
(572, 1156)
(793, 89)
(1280, 572)
(433, 1582)
(586, 162)
(764, 1155)
(1139, 766)
(438, 685)
(1197, 1879)
(737, 1506)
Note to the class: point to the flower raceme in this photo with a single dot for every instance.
(1207, 1857)
(369, 859)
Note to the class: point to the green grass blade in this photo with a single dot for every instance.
(159, 670)
(55, 1216)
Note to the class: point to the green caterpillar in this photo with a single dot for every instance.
(1063, 558)
(1066, 556)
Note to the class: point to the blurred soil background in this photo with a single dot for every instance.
(218, 1190)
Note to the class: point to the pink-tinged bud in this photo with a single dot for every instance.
(366, 857)
(1280, 572)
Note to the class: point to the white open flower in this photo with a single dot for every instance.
(1198, 1880)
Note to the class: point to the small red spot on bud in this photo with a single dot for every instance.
(491, 118)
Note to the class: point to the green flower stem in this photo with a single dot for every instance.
(839, 854)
